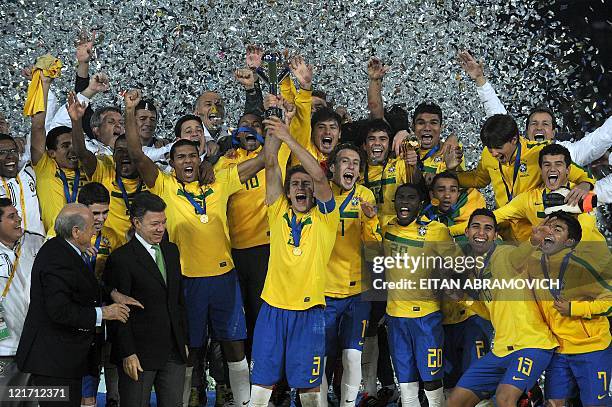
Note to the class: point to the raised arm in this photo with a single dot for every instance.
(487, 94)
(37, 142)
(146, 167)
(322, 190)
(76, 110)
(274, 179)
(247, 169)
(376, 73)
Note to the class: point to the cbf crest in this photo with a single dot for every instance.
(391, 170)
(422, 230)
(523, 167)
(355, 201)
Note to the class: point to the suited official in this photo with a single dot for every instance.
(65, 307)
(151, 346)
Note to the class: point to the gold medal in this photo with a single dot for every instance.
(297, 251)
(204, 218)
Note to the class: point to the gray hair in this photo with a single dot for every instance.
(68, 218)
(96, 117)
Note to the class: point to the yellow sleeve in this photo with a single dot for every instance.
(578, 174)
(277, 210)
(370, 228)
(405, 173)
(160, 183)
(515, 209)
(230, 178)
(223, 163)
(601, 292)
(478, 307)
(476, 178)
(287, 89)
(44, 166)
(103, 172)
(590, 309)
(300, 124)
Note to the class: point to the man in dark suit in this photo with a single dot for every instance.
(65, 307)
(151, 346)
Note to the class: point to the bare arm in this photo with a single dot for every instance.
(248, 168)
(76, 110)
(376, 73)
(146, 167)
(322, 190)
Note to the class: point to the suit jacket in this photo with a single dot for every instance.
(58, 334)
(161, 327)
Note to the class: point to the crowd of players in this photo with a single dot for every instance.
(277, 221)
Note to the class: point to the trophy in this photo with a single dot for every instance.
(271, 74)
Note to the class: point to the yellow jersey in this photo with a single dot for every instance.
(296, 275)
(419, 239)
(383, 181)
(517, 321)
(590, 294)
(356, 234)
(522, 173)
(203, 240)
(432, 160)
(529, 207)
(118, 213)
(246, 214)
(50, 188)
(458, 216)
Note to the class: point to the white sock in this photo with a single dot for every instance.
(260, 396)
(310, 399)
(369, 364)
(239, 381)
(187, 386)
(351, 376)
(435, 397)
(409, 393)
(324, 385)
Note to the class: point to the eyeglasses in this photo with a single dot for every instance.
(6, 153)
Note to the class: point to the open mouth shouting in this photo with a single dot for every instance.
(539, 135)
(301, 198)
(377, 153)
(404, 212)
(327, 142)
(189, 171)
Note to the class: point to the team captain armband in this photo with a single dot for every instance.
(326, 207)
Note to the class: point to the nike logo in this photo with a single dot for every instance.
(601, 397)
(311, 381)
(517, 378)
(360, 344)
(245, 403)
(434, 372)
(349, 401)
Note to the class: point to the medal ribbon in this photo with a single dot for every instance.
(92, 260)
(13, 271)
(556, 293)
(70, 198)
(347, 200)
(296, 230)
(124, 193)
(517, 166)
(429, 154)
(250, 130)
(200, 209)
(21, 199)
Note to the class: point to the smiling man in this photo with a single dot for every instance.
(197, 224)
(510, 164)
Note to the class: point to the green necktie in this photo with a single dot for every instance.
(159, 259)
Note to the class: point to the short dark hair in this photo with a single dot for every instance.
(7, 137)
(497, 130)
(145, 202)
(146, 104)
(325, 114)
(320, 94)
(555, 149)
(290, 173)
(257, 116)
(119, 138)
(417, 187)
(574, 229)
(5, 203)
(345, 146)
(96, 117)
(53, 135)
(183, 119)
(427, 107)
(375, 125)
(93, 193)
(180, 143)
(483, 212)
(446, 175)
(541, 109)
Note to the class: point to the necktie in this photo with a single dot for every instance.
(159, 259)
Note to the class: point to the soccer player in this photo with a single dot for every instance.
(451, 205)
(197, 223)
(528, 207)
(289, 335)
(104, 241)
(577, 312)
(383, 174)
(523, 344)
(414, 319)
(118, 173)
(58, 176)
(509, 163)
(346, 313)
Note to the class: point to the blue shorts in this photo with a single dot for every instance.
(464, 343)
(288, 343)
(216, 300)
(346, 320)
(89, 386)
(415, 345)
(589, 372)
(521, 369)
